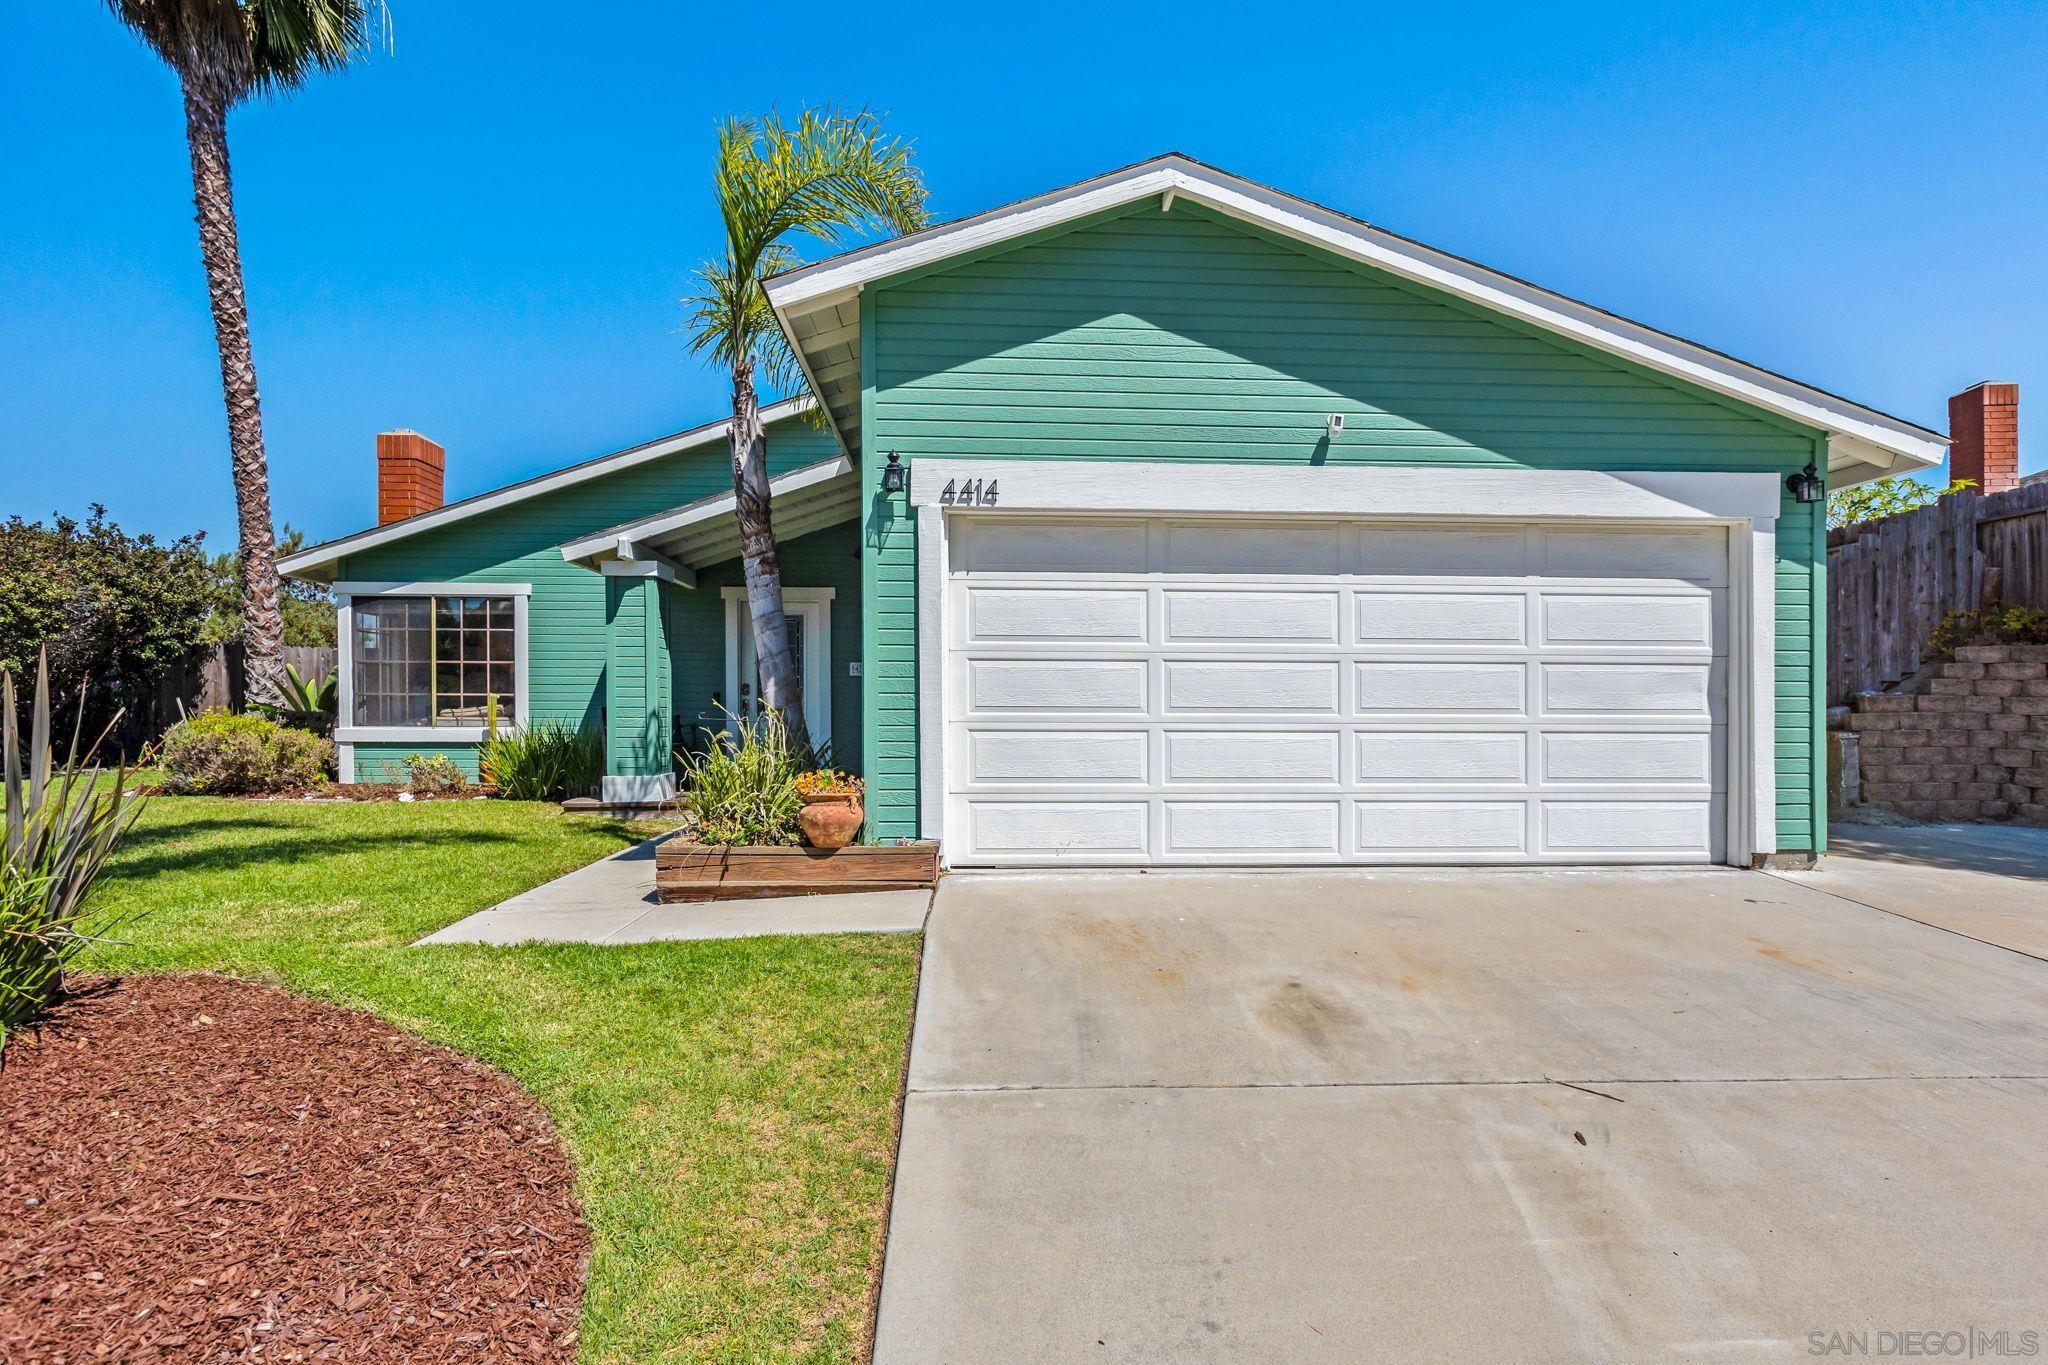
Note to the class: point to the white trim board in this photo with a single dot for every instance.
(623, 539)
(1132, 486)
(309, 563)
(1862, 435)
(1730, 500)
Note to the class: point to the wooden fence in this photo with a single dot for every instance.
(211, 676)
(1891, 581)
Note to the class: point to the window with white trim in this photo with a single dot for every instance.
(433, 661)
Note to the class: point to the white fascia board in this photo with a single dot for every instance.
(612, 540)
(353, 589)
(309, 562)
(1135, 487)
(800, 290)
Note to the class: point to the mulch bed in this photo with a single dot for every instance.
(196, 1168)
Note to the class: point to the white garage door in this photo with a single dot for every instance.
(1190, 692)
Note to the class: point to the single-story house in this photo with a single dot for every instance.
(1169, 519)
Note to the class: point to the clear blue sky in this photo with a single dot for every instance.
(483, 234)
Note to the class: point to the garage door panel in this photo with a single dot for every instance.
(1251, 617)
(1590, 758)
(1252, 548)
(1432, 552)
(1624, 619)
(1453, 756)
(996, 685)
(1012, 615)
(1041, 547)
(1643, 556)
(1056, 756)
(1251, 685)
(1397, 618)
(1618, 688)
(1253, 827)
(1054, 829)
(1439, 827)
(1469, 688)
(1249, 756)
(1624, 827)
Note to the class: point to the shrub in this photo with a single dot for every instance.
(62, 822)
(544, 762)
(1993, 625)
(433, 775)
(743, 790)
(220, 753)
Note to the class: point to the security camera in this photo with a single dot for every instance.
(1336, 424)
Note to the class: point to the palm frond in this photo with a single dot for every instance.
(828, 176)
(234, 48)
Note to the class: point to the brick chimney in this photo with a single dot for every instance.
(409, 470)
(1984, 436)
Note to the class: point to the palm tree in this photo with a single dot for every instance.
(223, 52)
(828, 176)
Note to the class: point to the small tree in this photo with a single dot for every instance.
(1886, 497)
(224, 51)
(826, 177)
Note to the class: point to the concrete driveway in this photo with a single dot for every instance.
(1542, 1116)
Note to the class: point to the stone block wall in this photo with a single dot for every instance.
(1964, 740)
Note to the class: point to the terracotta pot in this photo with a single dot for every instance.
(831, 819)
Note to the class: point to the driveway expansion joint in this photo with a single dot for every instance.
(1897, 914)
(1581, 1085)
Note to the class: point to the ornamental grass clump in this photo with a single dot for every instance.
(62, 822)
(742, 788)
(546, 761)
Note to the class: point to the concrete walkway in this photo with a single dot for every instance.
(612, 901)
(1540, 1116)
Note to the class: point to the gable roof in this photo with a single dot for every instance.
(818, 305)
(318, 562)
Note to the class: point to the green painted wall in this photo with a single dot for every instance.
(1185, 336)
(567, 613)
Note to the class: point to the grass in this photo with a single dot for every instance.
(729, 1104)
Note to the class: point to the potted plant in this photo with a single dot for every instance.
(832, 812)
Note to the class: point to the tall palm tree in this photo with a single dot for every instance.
(224, 51)
(826, 177)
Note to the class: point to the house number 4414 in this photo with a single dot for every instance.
(968, 493)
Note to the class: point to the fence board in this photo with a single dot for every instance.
(1890, 582)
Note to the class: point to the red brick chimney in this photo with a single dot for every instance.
(1984, 436)
(409, 470)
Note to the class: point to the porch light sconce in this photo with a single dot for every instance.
(894, 475)
(1807, 485)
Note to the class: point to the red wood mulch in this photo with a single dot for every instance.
(204, 1169)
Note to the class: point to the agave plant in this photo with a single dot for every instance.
(307, 705)
(62, 822)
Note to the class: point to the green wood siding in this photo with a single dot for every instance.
(1180, 335)
(386, 762)
(567, 635)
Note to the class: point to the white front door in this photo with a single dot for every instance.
(1168, 691)
(807, 612)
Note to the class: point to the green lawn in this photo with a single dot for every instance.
(730, 1105)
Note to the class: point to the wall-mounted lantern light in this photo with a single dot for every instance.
(894, 474)
(1807, 485)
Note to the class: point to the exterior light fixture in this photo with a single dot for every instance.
(1807, 485)
(895, 476)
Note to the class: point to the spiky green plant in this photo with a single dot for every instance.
(742, 789)
(546, 761)
(307, 704)
(62, 822)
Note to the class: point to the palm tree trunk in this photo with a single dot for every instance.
(206, 135)
(781, 687)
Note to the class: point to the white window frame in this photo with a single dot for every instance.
(814, 605)
(346, 736)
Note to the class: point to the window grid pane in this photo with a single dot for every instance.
(425, 661)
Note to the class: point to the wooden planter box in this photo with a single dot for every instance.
(695, 872)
